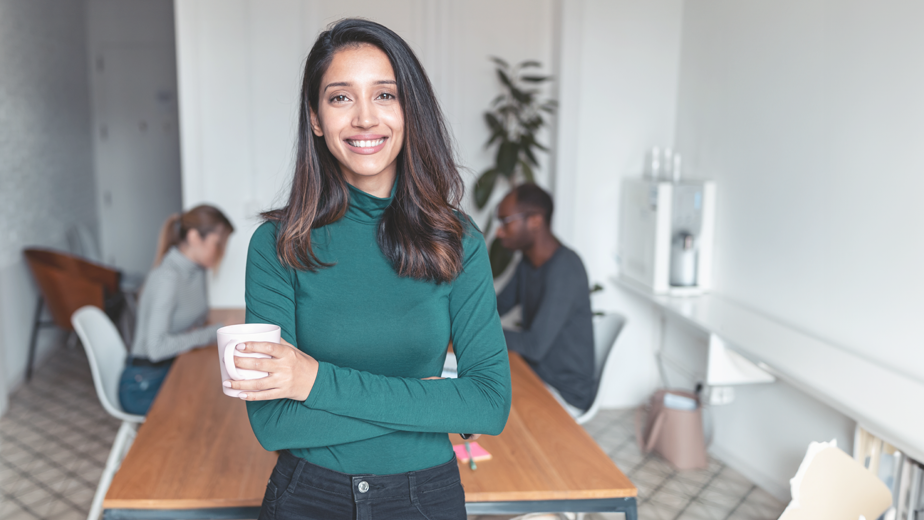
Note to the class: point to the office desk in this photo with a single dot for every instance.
(196, 456)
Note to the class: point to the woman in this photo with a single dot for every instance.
(174, 303)
(371, 269)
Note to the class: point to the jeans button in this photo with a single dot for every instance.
(363, 486)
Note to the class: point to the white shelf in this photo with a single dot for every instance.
(727, 367)
(883, 402)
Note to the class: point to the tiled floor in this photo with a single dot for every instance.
(56, 436)
(716, 493)
(54, 441)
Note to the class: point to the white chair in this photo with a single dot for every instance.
(606, 329)
(106, 353)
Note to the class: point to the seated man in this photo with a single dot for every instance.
(550, 284)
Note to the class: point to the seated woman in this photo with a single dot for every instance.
(174, 303)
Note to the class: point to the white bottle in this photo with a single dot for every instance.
(667, 162)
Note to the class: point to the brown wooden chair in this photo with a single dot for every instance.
(107, 276)
(67, 283)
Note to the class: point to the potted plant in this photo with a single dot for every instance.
(514, 118)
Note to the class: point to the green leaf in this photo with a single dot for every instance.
(534, 123)
(498, 99)
(527, 142)
(507, 156)
(494, 136)
(500, 257)
(493, 123)
(484, 187)
(535, 79)
(530, 156)
(534, 142)
(500, 62)
(549, 106)
(505, 80)
(529, 63)
(527, 172)
(522, 97)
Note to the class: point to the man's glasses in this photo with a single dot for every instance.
(510, 218)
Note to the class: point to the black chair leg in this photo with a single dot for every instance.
(36, 323)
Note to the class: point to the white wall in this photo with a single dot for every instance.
(619, 70)
(239, 69)
(132, 51)
(809, 116)
(46, 170)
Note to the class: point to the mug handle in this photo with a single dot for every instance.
(229, 363)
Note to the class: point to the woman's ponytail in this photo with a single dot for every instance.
(202, 218)
(170, 235)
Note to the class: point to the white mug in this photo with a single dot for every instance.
(233, 335)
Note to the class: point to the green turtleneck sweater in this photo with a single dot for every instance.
(376, 336)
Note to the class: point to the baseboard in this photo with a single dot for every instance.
(769, 484)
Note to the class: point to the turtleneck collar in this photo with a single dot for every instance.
(180, 261)
(368, 208)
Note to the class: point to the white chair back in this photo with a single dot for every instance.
(106, 353)
(606, 329)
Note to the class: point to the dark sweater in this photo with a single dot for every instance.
(376, 335)
(557, 339)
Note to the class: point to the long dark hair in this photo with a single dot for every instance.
(421, 231)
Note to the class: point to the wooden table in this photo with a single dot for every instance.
(196, 456)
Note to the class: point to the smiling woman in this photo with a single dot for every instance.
(360, 118)
(363, 83)
(370, 270)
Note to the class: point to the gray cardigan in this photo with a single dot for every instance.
(173, 310)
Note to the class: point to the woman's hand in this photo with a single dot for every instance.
(291, 372)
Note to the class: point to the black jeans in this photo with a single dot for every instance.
(299, 490)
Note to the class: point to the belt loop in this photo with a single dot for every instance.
(295, 474)
(412, 484)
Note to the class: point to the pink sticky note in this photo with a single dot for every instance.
(478, 452)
